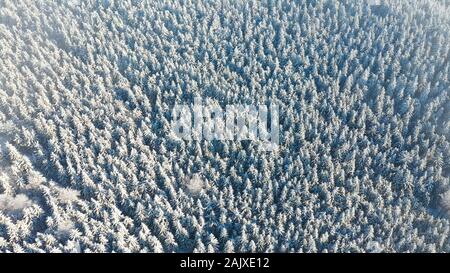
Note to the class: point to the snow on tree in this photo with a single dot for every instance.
(88, 161)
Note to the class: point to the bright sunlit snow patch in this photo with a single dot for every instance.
(67, 195)
(13, 204)
(445, 202)
(195, 184)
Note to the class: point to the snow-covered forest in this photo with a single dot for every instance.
(88, 164)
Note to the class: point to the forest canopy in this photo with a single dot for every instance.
(87, 163)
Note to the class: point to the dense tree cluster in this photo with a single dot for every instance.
(87, 162)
